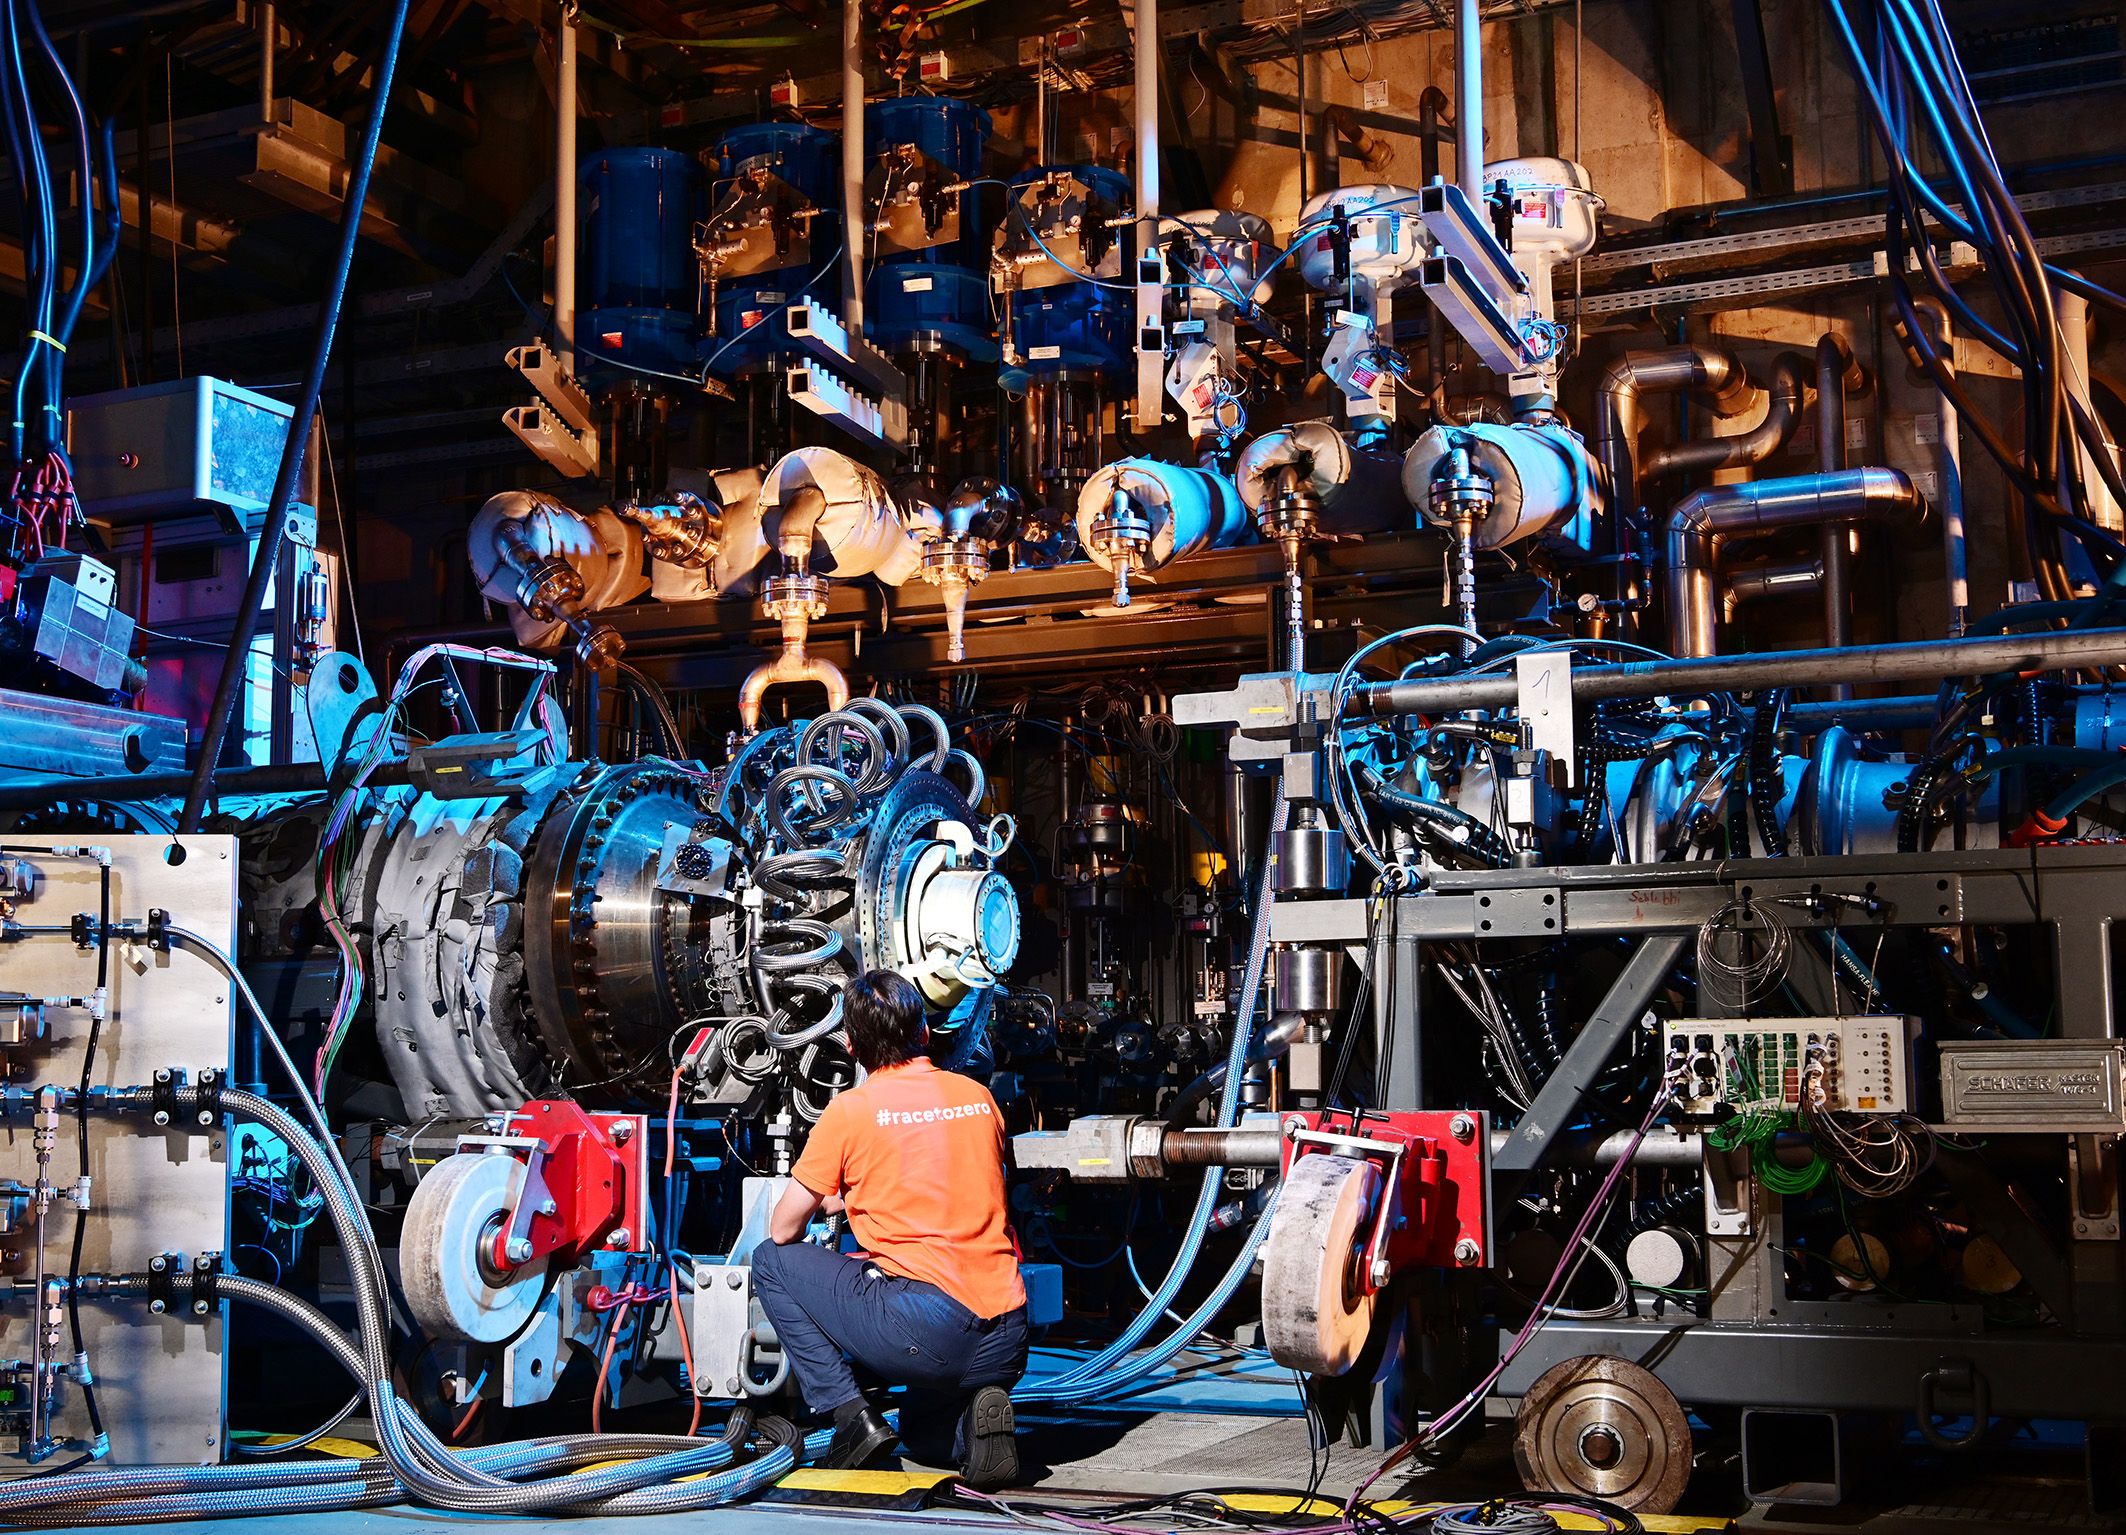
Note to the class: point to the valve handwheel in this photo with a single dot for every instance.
(1316, 1314)
(446, 1251)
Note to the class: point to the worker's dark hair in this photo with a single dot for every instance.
(884, 1015)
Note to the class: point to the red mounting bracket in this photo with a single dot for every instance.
(1435, 1167)
(586, 1183)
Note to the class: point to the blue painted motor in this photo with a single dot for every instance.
(1064, 230)
(928, 282)
(639, 292)
(772, 236)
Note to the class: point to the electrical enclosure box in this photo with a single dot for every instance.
(188, 448)
(1863, 1064)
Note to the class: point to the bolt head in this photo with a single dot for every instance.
(734, 1280)
(547, 1207)
(206, 1116)
(157, 1307)
(1466, 1252)
(1462, 1127)
(623, 1131)
(518, 1250)
(161, 1118)
(158, 1264)
(199, 1308)
(619, 1239)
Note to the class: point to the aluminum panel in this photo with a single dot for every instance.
(160, 1380)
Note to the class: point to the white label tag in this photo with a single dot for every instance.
(1043, 353)
(1376, 95)
(917, 284)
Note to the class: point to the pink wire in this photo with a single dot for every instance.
(1568, 1264)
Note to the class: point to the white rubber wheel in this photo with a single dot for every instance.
(1313, 1316)
(453, 1215)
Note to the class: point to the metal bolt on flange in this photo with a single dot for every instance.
(519, 1250)
(1466, 1252)
(1462, 1127)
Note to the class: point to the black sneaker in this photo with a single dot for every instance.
(989, 1454)
(861, 1439)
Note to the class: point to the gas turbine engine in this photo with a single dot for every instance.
(573, 933)
(613, 930)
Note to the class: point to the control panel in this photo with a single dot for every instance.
(1836, 1065)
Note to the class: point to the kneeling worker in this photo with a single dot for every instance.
(934, 1302)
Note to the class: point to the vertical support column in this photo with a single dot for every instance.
(1469, 100)
(2104, 509)
(1949, 471)
(1831, 361)
(269, 36)
(565, 193)
(1151, 292)
(853, 221)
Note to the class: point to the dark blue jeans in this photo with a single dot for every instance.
(832, 1311)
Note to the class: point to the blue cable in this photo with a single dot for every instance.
(78, 294)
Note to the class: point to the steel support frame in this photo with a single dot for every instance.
(1761, 1348)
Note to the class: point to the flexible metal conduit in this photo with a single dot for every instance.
(426, 1469)
(2061, 650)
(1702, 519)
(1099, 1375)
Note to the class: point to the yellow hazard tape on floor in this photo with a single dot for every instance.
(884, 1484)
(345, 1449)
(1283, 1503)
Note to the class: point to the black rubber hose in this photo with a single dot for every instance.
(1468, 833)
(236, 669)
(1765, 777)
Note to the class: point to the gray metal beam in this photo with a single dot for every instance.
(2063, 650)
(1558, 1102)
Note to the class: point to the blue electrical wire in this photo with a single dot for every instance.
(88, 271)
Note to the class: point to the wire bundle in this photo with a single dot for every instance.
(1761, 945)
(1874, 1155)
(337, 853)
(1914, 64)
(41, 501)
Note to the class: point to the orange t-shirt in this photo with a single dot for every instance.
(917, 1155)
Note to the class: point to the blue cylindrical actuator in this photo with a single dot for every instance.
(638, 296)
(927, 282)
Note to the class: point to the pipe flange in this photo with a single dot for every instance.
(793, 596)
(1292, 513)
(607, 982)
(965, 560)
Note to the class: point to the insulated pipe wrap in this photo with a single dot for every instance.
(1542, 479)
(823, 507)
(1187, 510)
(1359, 491)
